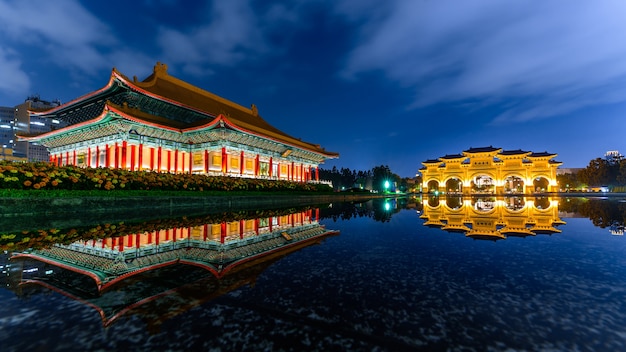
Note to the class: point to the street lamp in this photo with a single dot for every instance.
(386, 185)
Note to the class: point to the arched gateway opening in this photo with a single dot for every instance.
(433, 186)
(541, 184)
(454, 185)
(513, 185)
(483, 184)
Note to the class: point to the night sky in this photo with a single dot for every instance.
(391, 82)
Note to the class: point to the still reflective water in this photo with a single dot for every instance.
(399, 274)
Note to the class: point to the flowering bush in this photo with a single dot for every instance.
(42, 176)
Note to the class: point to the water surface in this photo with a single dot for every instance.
(417, 274)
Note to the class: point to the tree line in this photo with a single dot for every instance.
(599, 172)
(379, 179)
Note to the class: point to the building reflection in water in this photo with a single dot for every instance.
(493, 218)
(162, 272)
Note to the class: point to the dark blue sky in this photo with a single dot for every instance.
(380, 82)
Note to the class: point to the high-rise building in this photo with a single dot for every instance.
(18, 120)
(613, 157)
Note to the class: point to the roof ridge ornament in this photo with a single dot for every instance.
(160, 68)
(255, 110)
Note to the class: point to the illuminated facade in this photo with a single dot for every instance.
(491, 170)
(493, 218)
(167, 125)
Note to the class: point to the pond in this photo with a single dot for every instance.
(388, 274)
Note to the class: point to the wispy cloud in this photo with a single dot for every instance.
(229, 36)
(64, 30)
(15, 81)
(549, 57)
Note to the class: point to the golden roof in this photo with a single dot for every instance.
(168, 88)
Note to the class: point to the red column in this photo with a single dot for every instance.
(130, 240)
(224, 161)
(137, 240)
(205, 231)
(241, 229)
(67, 158)
(74, 162)
(271, 167)
(107, 163)
(256, 166)
(206, 161)
(270, 223)
(159, 159)
(301, 172)
(317, 214)
(293, 171)
(256, 226)
(277, 170)
(174, 234)
(157, 237)
(140, 166)
(176, 161)
(132, 157)
(169, 161)
(190, 162)
(223, 232)
(241, 163)
(124, 153)
(317, 174)
(151, 159)
(117, 156)
(88, 156)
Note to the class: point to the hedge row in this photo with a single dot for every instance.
(46, 176)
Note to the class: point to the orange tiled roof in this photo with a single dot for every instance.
(176, 91)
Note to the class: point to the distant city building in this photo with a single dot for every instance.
(165, 124)
(613, 157)
(568, 170)
(7, 134)
(17, 120)
(490, 170)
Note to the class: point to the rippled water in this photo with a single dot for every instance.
(387, 282)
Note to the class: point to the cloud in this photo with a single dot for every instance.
(548, 58)
(68, 33)
(231, 35)
(15, 81)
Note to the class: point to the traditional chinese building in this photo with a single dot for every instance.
(490, 170)
(165, 124)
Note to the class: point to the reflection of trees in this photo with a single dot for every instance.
(602, 213)
(380, 209)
